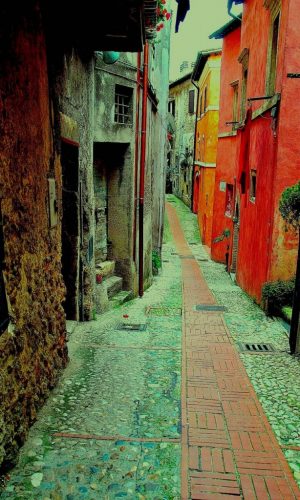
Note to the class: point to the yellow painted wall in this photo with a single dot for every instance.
(206, 147)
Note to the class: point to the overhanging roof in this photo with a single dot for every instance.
(227, 28)
(116, 25)
(202, 57)
(180, 80)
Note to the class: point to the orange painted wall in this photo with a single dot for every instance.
(206, 147)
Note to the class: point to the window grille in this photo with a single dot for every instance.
(123, 104)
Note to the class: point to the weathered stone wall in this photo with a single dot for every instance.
(32, 349)
(183, 147)
(74, 85)
(160, 79)
(115, 146)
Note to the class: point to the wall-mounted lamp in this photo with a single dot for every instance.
(110, 57)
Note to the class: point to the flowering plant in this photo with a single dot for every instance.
(162, 14)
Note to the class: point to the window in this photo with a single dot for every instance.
(171, 107)
(229, 200)
(205, 100)
(235, 101)
(123, 104)
(4, 317)
(272, 56)
(252, 185)
(191, 101)
(244, 60)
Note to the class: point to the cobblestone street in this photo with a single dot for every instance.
(156, 402)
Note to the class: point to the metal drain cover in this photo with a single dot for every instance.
(163, 311)
(202, 260)
(209, 307)
(255, 348)
(132, 327)
(186, 256)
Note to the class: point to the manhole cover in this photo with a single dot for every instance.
(132, 327)
(209, 307)
(187, 256)
(163, 311)
(255, 348)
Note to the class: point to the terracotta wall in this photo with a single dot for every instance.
(226, 149)
(266, 252)
(33, 349)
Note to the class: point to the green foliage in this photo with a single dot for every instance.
(287, 313)
(225, 234)
(289, 205)
(156, 260)
(277, 294)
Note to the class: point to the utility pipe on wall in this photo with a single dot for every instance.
(195, 144)
(136, 158)
(142, 170)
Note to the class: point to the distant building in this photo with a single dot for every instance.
(206, 76)
(182, 107)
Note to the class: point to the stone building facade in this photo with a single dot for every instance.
(182, 106)
(47, 199)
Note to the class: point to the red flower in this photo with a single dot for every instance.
(125, 316)
(163, 2)
(168, 15)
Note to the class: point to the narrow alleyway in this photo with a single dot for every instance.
(156, 402)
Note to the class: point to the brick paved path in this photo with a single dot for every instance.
(228, 447)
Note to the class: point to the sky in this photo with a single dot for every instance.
(203, 18)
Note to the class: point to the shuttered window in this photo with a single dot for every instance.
(191, 101)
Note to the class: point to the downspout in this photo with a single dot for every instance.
(195, 144)
(136, 157)
(142, 170)
(232, 224)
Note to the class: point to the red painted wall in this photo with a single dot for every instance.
(266, 252)
(226, 152)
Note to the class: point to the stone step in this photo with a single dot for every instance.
(106, 268)
(120, 298)
(113, 285)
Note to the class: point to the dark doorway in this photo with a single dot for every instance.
(113, 179)
(101, 209)
(70, 228)
(4, 316)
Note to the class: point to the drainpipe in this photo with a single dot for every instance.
(232, 223)
(195, 144)
(136, 158)
(142, 170)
